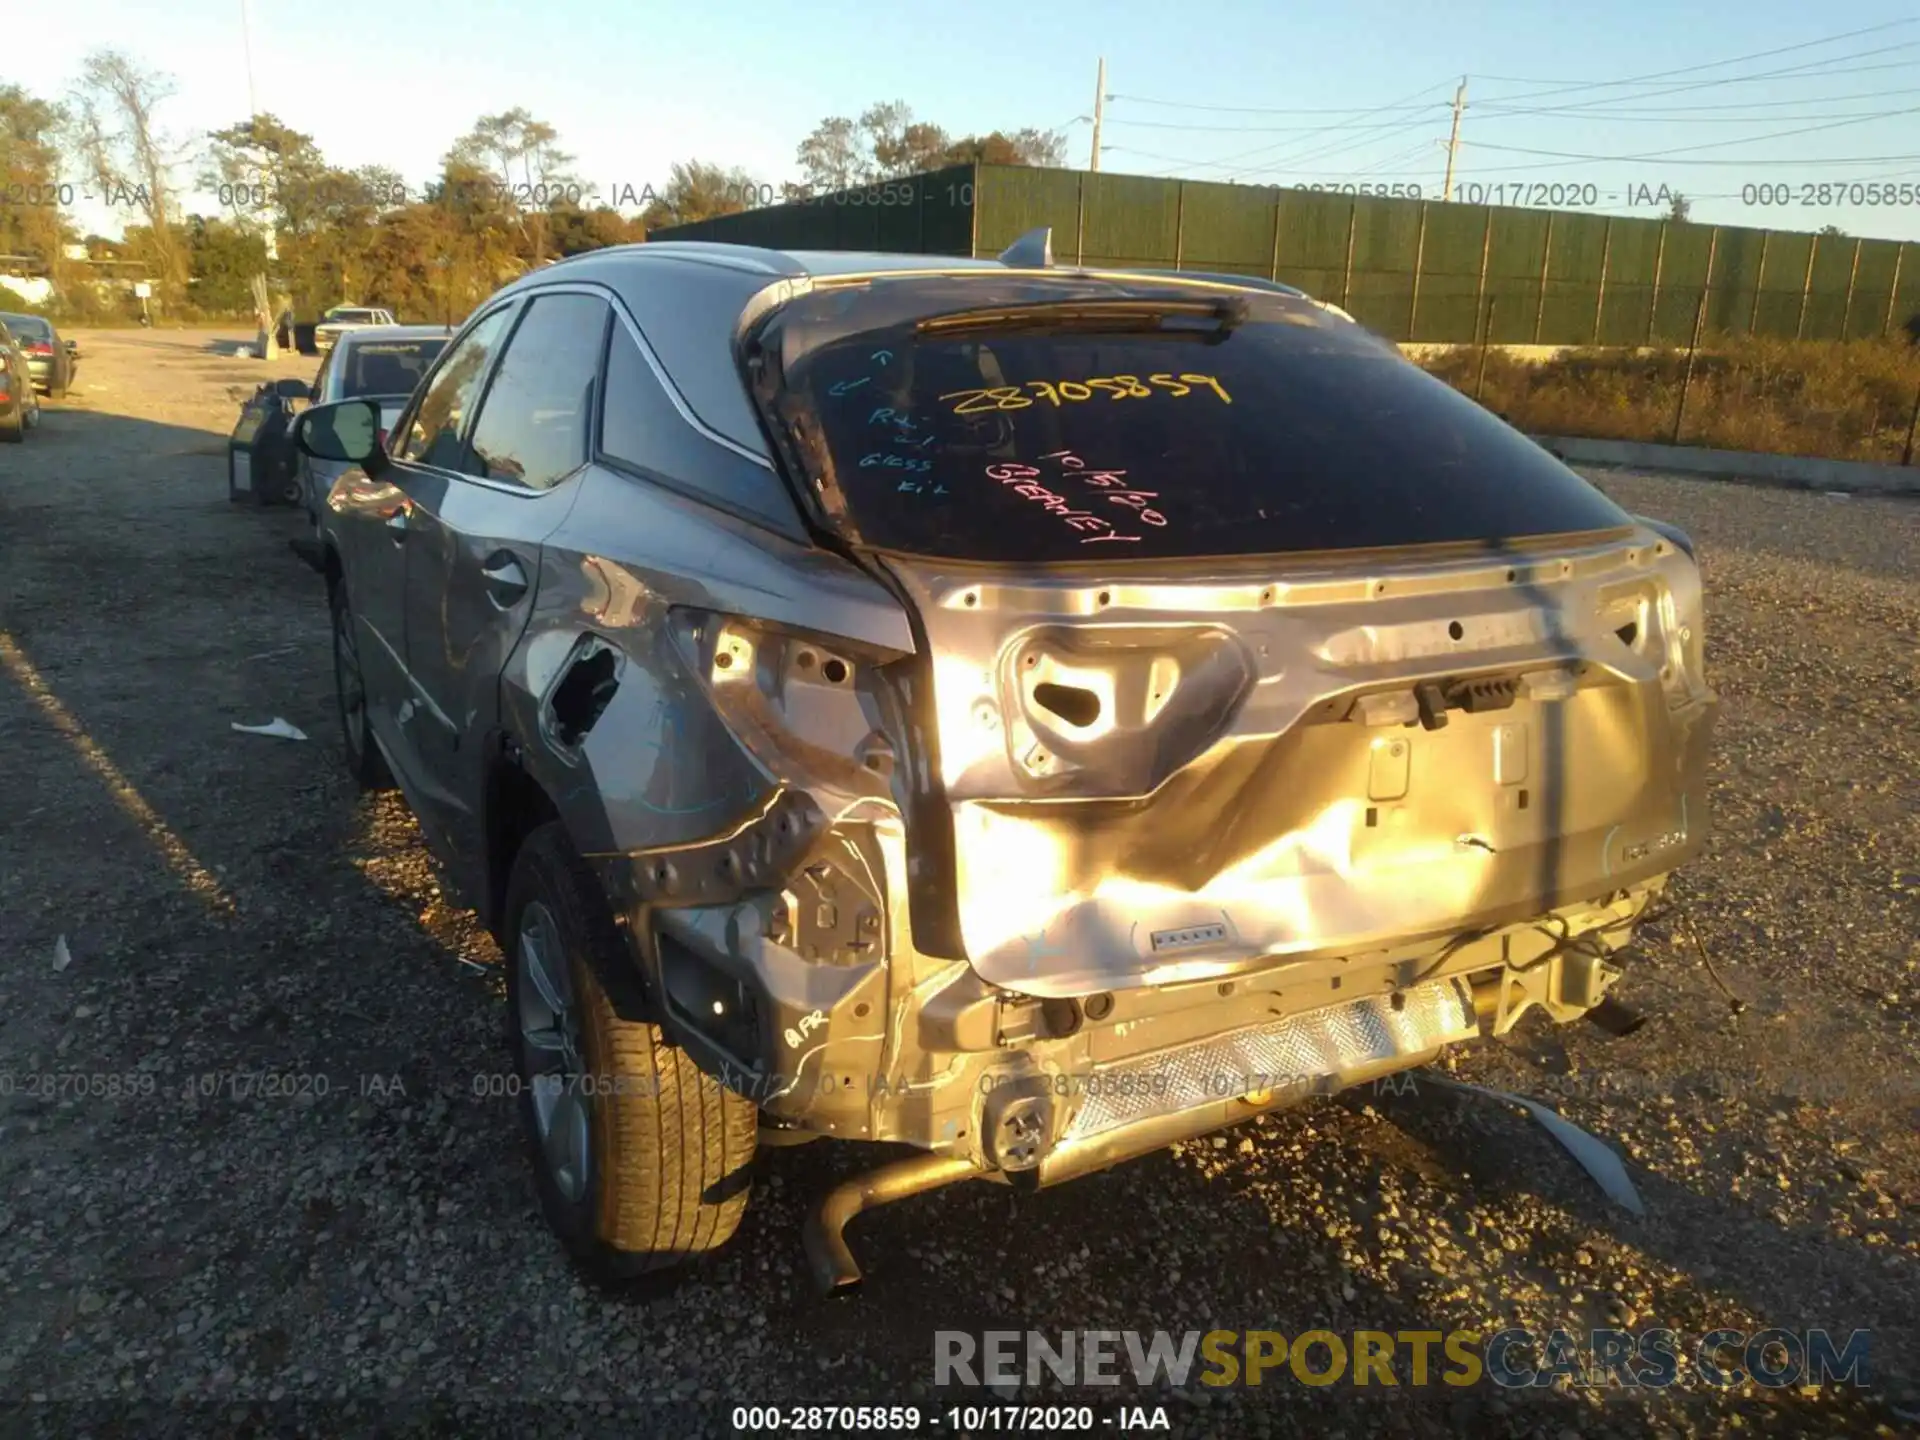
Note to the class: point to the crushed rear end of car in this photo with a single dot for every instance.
(1273, 718)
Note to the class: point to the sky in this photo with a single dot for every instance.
(1249, 90)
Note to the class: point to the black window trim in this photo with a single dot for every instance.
(796, 526)
(405, 422)
(594, 401)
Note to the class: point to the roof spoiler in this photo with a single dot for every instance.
(1032, 251)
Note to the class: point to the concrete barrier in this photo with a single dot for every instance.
(1750, 467)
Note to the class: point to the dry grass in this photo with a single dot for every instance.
(1850, 401)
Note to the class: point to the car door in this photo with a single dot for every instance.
(371, 517)
(475, 537)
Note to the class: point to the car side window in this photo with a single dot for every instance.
(433, 435)
(536, 417)
(644, 433)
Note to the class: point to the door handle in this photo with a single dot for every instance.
(506, 581)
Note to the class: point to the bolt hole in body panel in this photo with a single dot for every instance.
(1456, 630)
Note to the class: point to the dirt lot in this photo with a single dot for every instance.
(184, 1246)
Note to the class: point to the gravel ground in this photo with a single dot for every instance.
(196, 1252)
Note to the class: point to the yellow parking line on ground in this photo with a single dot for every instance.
(195, 876)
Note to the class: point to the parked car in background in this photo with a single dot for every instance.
(19, 405)
(342, 318)
(52, 360)
(1032, 714)
(384, 363)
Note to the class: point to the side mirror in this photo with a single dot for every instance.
(292, 389)
(347, 430)
(73, 347)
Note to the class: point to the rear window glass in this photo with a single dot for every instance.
(1290, 431)
(352, 317)
(28, 327)
(391, 367)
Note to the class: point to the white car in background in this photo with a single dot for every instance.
(343, 318)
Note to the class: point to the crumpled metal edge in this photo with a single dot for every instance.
(1596, 1157)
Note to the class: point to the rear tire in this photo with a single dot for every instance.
(13, 427)
(641, 1158)
(364, 761)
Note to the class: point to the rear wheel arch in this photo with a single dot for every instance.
(515, 805)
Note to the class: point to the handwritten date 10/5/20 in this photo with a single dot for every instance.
(1060, 392)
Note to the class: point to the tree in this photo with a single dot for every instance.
(697, 190)
(1046, 148)
(1679, 207)
(223, 257)
(575, 231)
(886, 142)
(524, 155)
(30, 176)
(127, 155)
(1834, 231)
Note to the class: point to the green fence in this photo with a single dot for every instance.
(1413, 270)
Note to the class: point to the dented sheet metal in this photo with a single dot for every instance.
(1155, 782)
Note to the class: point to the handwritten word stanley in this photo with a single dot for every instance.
(1024, 480)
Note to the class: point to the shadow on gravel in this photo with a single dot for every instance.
(1798, 1277)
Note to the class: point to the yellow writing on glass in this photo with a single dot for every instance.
(1064, 392)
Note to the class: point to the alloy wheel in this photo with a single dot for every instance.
(549, 1023)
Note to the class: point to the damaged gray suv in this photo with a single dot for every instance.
(1025, 713)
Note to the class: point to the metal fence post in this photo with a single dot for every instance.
(1600, 300)
(1686, 379)
(1912, 425)
(1659, 260)
(1806, 291)
(1179, 223)
(1346, 281)
(1546, 268)
(1760, 283)
(1080, 226)
(1893, 291)
(1419, 259)
(1853, 274)
(1486, 337)
(1486, 254)
(1273, 272)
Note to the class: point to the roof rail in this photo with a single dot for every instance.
(1032, 251)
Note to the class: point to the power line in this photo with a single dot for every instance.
(1439, 106)
(1271, 110)
(1688, 149)
(1232, 160)
(1589, 110)
(1805, 71)
(1709, 65)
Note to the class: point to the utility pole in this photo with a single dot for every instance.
(1453, 140)
(246, 40)
(1099, 109)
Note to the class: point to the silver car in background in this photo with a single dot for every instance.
(384, 363)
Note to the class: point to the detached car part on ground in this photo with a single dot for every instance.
(1032, 715)
(263, 463)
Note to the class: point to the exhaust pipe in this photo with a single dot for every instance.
(832, 1263)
